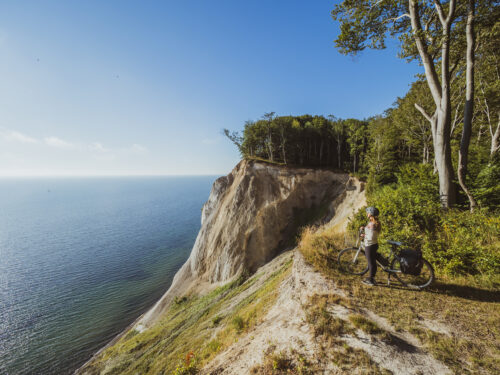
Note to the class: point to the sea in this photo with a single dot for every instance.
(82, 258)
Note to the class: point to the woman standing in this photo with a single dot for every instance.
(372, 231)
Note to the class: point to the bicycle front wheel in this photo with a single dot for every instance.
(423, 280)
(353, 261)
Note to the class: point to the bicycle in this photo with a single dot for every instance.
(353, 260)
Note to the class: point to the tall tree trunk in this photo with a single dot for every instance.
(440, 90)
(339, 150)
(442, 151)
(283, 151)
(469, 107)
(495, 139)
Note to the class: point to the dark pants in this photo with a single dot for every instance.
(371, 256)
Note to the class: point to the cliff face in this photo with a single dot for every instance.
(242, 326)
(247, 220)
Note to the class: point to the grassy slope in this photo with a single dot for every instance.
(471, 312)
(193, 330)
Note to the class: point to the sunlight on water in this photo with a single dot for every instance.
(80, 259)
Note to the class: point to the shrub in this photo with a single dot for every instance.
(456, 242)
(487, 188)
(216, 320)
(465, 243)
(238, 323)
(188, 366)
(180, 300)
(214, 346)
(408, 209)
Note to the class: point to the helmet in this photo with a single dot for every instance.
(372, 211)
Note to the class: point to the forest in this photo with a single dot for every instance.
(431, 160)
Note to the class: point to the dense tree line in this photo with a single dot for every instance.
(449, 119)
(304, 141)
(451, 39)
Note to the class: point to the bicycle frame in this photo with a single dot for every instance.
(348, 259)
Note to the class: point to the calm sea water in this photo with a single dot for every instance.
(82, 258)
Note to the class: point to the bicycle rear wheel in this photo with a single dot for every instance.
(423, 280)
(352, 261)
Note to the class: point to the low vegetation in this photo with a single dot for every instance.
(289, 362)
(193, 330)
(456, 242)
(457, 319)
(329, 332)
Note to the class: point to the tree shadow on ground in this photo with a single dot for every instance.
(455, 290)
(466, 292)
(401, 344)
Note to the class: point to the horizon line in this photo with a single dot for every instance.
(105, 175)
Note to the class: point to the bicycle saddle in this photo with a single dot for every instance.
(396, 243)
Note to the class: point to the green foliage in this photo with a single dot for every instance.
(487, 186)
(465, 243)
(409, 208)
(306, 140)
(455, 242)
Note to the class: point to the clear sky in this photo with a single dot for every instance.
(145, 87)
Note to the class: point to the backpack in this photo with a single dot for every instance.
(411, 261)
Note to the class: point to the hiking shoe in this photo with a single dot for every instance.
(368, 282)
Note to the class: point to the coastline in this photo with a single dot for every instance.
(113, 340)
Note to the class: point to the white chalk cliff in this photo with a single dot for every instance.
(247, 224)
(249, 217)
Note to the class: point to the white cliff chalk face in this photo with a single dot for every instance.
(247, 220)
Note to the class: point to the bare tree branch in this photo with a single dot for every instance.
(440, 12)
(397, 18)
(430, 70)
(422, 111)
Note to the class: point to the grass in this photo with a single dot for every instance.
(194, 325)
(238, 323)
(329, 331)
(322, 321)
(365, 324)
(285, 362)
(216, 320)
(469, 307)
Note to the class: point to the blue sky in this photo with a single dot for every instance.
(145, 87)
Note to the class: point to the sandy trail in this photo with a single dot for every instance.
(285, 328)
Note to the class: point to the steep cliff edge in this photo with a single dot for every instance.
(294, 311)
(251, 215)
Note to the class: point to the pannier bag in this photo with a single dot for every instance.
(411, 261)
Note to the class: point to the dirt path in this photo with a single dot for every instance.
(285, 329)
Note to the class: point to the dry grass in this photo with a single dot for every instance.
(322, 320)
(366, 325)
(320, 247)
(289, 362)
(330, 330)
(469, 310)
